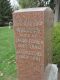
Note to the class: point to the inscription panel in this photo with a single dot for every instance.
(29, 39)
(29, 31)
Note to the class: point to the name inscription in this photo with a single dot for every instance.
(34, 55)
(32, 45)
(28, 21)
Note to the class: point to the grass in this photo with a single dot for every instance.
(56, 44)
(7, 54)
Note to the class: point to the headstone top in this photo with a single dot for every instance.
(32, 9)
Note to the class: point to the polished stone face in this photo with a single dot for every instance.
(32, 28)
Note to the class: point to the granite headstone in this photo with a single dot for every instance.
(32, 28)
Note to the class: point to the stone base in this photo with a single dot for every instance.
(51, 72)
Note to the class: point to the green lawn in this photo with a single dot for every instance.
(56, 44)
(7, 54)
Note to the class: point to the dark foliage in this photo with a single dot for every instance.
(5, 12)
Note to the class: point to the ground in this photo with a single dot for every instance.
(7, 54)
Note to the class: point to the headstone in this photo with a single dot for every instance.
(32, 28)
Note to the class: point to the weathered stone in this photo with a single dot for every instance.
(32, 29)
(51, 72)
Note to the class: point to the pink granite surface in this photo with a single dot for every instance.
(32, 28)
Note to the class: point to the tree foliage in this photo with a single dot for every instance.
(5, 10)
(28, 3)
(52, 4)
(31, 3)
(36, 3)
